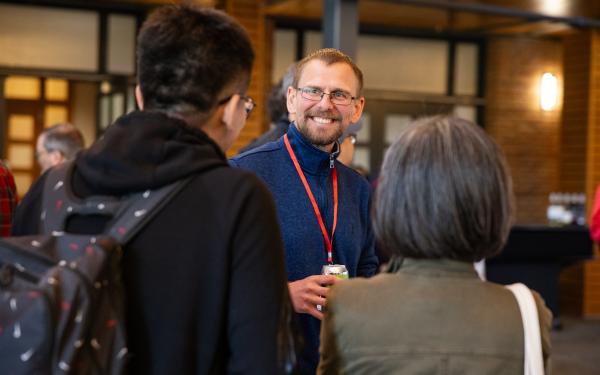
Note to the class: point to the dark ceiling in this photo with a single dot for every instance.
(539, 17)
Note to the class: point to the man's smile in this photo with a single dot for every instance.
(322, 120)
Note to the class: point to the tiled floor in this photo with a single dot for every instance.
(576, 347)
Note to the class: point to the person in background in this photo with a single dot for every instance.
(322, 205)
(347, 143)
(56, 144)
(444, 201)
(278, 113)
(8, 199)
(595, 218)
(204, 279)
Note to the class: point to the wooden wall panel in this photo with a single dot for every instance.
(591, 279)
(528, 135)
(250, 13)
(571, 290)
(575, 113)
(580, 156)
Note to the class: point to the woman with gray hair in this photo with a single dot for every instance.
(443, 202)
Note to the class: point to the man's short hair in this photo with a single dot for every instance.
(187, 55)
(65, 138)
(444, 192)
(329, 56)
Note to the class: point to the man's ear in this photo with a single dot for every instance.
(359, 105)
(229, 110)
(291, 99)
(139, 98)
(56, 157)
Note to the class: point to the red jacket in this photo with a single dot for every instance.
(595, 220)
(8, 200)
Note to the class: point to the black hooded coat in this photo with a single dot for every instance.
(204, 279)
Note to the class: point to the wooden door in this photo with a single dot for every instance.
(32, 103)
(23, 124)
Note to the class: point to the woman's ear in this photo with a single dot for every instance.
(139, 98)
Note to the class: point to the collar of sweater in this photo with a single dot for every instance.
(312, 159)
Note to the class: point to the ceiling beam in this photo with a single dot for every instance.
(581, 22)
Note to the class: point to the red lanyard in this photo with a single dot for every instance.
(328, 241)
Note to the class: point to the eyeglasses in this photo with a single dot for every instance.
(337, 97)
(249, 103)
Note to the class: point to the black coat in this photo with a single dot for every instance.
(205, 281)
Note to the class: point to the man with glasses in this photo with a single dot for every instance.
(322, 205)
(204, 280)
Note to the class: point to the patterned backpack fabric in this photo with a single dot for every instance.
(61, 297)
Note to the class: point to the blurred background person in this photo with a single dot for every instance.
(444, 201)
(278, 113)
(347, 142)
(595, 217)
(8, 199)
(56, 144)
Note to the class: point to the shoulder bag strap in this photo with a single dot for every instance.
(129, 213)
(140, 208)
(534, 362)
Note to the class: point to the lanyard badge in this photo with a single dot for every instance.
(328, 240)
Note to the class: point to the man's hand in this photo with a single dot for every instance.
(307, 293)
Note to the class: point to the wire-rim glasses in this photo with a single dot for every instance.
(314, 94)
(249, 103)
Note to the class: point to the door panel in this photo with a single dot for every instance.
(23, 119)
(386, 119)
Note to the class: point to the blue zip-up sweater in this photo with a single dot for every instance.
(305, 251)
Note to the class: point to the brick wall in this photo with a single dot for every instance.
(528, 135)
(580, 157)
(250, 13)
(591, 278)
(575, 116)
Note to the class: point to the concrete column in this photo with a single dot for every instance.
(340, 25)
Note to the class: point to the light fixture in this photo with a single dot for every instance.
(105, 87)
(548, 91)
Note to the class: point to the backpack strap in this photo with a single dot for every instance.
(140, 208)
(534, 361)
(128, 213)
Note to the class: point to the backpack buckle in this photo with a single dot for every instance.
(7, 273)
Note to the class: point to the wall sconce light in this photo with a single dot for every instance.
(548, 91)
(105, 87)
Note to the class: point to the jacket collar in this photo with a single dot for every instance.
(312, 159)
(438, 267)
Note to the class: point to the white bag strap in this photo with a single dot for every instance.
(534, 362)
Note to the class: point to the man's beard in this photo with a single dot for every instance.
(313, 135)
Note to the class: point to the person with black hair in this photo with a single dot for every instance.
(204, 280)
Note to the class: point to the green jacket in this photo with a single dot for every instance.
(431, 317)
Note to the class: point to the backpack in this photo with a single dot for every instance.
(61, 297)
